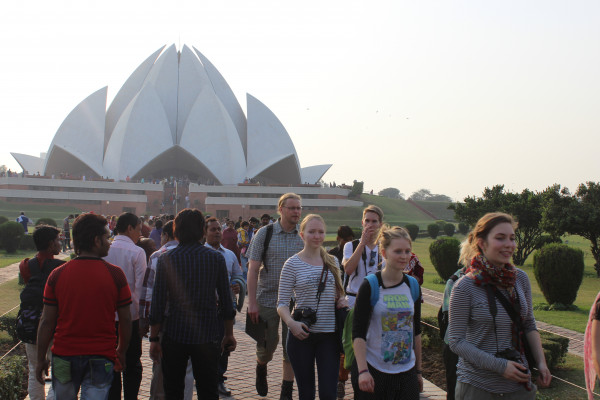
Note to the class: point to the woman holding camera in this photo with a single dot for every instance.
(387, 335)
(313, 277)
(491, 347)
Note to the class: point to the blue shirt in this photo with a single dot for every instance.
(186, 279)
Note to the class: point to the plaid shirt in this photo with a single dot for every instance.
(186, 278)
(282, 246)
(148, 284)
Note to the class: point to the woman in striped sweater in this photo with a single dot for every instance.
(492, 360)
(312, 339)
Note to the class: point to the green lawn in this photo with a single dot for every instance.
(9, 295)
(12, 210)
(8, 259)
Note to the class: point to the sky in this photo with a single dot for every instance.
(451, 96)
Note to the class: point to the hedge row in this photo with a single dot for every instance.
(12, 377)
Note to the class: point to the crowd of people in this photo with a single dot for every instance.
(184, 296)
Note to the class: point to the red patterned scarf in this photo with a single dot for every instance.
(485, 273)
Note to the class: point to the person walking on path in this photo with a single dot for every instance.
(47, 243)
(490, 345)
(313, 277)
(67, 231)
(80, 301)
(125, 254)
(263, 287)
(186, 279)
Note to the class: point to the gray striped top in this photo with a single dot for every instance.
(471, 333)
(303, 280)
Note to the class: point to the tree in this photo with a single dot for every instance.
(392, 193)
(577, 214)
(357, 188)
(433, 230)
(421, 194)
(525, 207)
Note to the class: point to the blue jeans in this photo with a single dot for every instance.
(323, 348)
(244, 266)
(93, 374)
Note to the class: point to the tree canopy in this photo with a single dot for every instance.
(525, 207)
(392, 193)
(576, 214)
(426, 195)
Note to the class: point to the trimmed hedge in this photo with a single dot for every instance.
(27, 243)
(46, 221)
(8, 324)
(444, 254)
(12, 377)
(433, 230)
(10, 236)
(558, 271)
(449, 230)
(463, 228)
(3, 219)
(413, 231)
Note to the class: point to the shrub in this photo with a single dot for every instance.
(3, 219)
(46, 221)
(441, 223)
(12, 378)
(8, 324)
(433, 230)
(449, 229)
(444, 254)
(555, 348)
(547, 239)
(558, 271)
(10, 236)
(413, 231)
(357, 232)
(27, 243)
(463, 228)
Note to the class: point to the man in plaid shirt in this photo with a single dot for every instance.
(263, 287)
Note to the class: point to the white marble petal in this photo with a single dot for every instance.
(269, 143)
(81, 134)
(228, 99)
(128, 91)
(313, 173)
(31, 164)
(141, 134)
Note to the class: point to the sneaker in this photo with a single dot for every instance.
(262, 387)
(287, 387)
(341, 390)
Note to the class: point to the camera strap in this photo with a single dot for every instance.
(322, 283)
(493, 309)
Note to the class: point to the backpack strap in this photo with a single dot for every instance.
(34, 266)
(374, 282)
(414, 287)
(268, 236)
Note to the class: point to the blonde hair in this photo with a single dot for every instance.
(327, 258)
(286, 196)
(387, 234)
(374, 209)
(469, 247)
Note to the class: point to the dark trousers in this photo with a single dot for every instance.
(450, 361)
(323, 348)
(223, 363)
(401, 386)
(205, 360)
(132, 375)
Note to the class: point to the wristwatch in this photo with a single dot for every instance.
(153, 339)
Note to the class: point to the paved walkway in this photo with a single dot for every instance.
(575, 338)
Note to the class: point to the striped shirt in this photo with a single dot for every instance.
(282, 246)
(302, 279)
(471, 333)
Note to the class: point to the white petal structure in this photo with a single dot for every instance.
(174, 115)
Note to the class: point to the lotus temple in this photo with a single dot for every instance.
(175, 120)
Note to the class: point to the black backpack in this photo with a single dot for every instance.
(32, 301)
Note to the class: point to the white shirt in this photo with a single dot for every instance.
(362, 269)
(233, 267)
(132, 260)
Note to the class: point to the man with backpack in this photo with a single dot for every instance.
(271, 247)
(35, 272)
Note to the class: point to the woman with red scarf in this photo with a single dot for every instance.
(481, 331)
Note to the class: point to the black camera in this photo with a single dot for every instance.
(306, 315)
(510, 355)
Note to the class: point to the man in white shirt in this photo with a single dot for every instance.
(213, 241)
(125, 254)
(361, 257)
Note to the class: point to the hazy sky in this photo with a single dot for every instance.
(452, 96)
